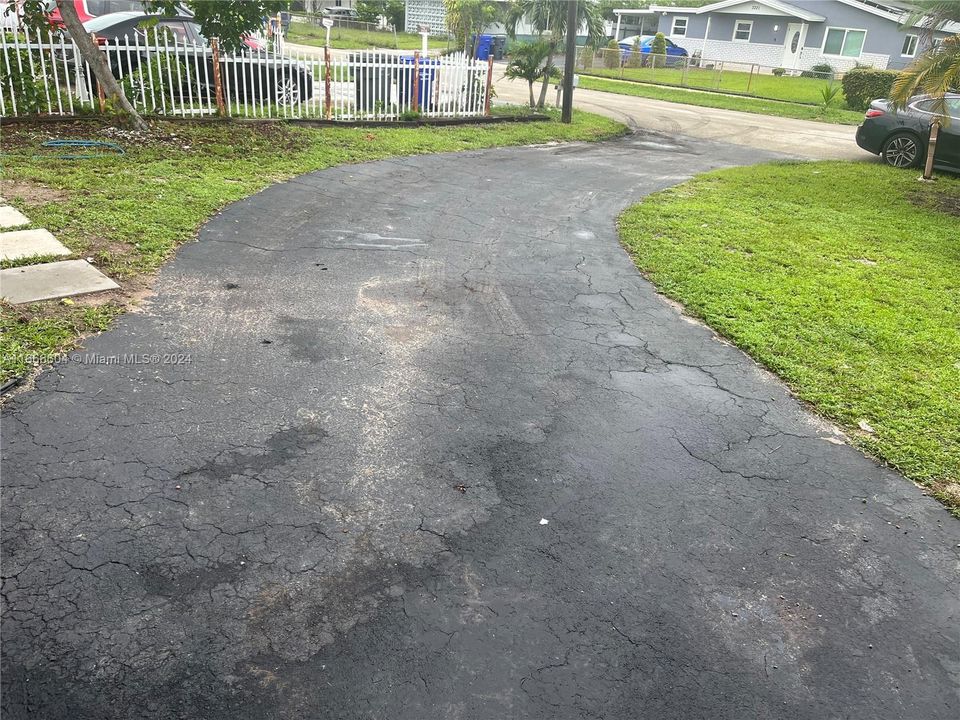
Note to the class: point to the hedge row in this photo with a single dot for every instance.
(861, 85)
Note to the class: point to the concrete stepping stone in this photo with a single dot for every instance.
(11, 217)
(52, 280)
(27, 243)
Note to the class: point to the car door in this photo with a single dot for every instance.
(948, 143)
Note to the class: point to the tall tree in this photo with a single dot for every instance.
(371, 11)
(548, 19)
(469, 17)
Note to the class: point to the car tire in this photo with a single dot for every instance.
(902, 150)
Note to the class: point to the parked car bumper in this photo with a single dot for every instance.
(870, 137)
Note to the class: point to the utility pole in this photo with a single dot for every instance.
(569, 61)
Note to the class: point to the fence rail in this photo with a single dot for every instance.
(43, 73)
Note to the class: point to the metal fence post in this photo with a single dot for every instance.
(750, 77)
(486, 97)
(415, 100)
(217, 80)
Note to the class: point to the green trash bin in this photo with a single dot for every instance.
(372, 81)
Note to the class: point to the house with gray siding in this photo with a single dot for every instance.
(799, 34)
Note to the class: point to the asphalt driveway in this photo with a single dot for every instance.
(414, 439)
(804, 139)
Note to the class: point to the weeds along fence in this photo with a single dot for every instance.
(696, 72)
(42, 73)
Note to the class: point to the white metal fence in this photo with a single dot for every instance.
(42, 73)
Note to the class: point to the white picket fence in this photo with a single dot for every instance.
(42, 73)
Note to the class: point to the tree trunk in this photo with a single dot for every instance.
(98, 63)
(533, 103)
(547, 74)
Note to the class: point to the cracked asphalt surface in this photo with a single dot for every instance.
(397, 371)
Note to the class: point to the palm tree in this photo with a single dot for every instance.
(548, 19)
(527, 62)
(937, 70)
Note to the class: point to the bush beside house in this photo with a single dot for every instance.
(861, 85)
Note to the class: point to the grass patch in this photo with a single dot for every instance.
(130, 212)
(343, 38)
(723, 102)
(769, 87)
(842, 278)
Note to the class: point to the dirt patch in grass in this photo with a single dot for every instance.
(30, 193)
(941, 201)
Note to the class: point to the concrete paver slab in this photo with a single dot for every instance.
(27, 243)
(52, 280)
(11, 217)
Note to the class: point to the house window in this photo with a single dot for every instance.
(909, 48)
(742, 30)
(679, 27)
(843, 42)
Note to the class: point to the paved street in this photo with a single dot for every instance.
(414, 439)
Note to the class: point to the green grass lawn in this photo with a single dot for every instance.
(843, 278)
(130, 212)
(353, 38)
(789, 89)
(725, 102)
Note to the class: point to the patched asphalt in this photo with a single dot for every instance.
(414, 439)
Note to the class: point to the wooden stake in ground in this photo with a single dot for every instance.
(97, 61)
(931, 149)
(217, 78)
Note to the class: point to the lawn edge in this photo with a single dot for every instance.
(933, 488)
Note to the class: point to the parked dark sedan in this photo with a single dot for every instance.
(250, 76)
(900, 137)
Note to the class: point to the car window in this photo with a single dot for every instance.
(104, 7)
(952, 106)
(177, 28)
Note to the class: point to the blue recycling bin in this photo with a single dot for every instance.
(428, 75)
(484, 47)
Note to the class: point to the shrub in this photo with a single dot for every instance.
(586, 57)
(779, 72)
(636, 55)
(861, 85)
(29, 92)
(611, 55)
(822, 71)
(658, 48)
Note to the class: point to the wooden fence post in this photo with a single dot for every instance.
(100, 94)
(486, 97)
(327, 100)
(217, 80)
(415, 100)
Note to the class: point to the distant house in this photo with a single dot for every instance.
(796, 35)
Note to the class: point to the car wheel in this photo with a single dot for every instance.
(902, 150)
(287, 90)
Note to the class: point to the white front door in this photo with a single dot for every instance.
(793, 44)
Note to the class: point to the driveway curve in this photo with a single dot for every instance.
(414, 439)
(803, 139)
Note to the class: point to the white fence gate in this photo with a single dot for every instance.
(41, 72)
